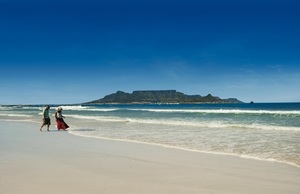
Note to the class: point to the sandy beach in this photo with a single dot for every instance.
(59, 162)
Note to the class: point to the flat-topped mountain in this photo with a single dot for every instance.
(159, 96)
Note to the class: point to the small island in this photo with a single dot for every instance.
(159, 96)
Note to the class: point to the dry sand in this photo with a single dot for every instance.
(55, 162)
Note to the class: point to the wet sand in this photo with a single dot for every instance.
(58, 162)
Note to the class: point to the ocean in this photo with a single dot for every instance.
(260, 131)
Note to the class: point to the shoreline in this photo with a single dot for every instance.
(159, 145)
(163, 145)
(58, 162)
(186, 149)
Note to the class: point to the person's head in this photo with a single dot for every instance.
(59, 109)
(47, 107)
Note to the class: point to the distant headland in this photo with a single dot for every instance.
(159, 96)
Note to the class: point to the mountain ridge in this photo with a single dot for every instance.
(159, 96)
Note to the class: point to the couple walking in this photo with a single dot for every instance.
(60, 123)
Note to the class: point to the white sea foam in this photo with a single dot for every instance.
(14, 115)
(221, 111)
(20, 120)
(203, 111)
(75, 107)
(85, 108)
(5, 108)
(191, 123)
(185, 149)
(32, 107)
(98, 118)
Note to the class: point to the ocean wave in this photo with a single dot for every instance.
(3, 108)
(222, 111)
(15, 115)
(190, 123)
(85, 108)
(294, 113)
(98, 118)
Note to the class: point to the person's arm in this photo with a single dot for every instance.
(44, 114)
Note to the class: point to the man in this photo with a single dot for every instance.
(46, 118)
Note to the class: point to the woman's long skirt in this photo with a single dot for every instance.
(60, 124)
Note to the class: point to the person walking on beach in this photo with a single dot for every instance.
(60, 123)
(46, 118)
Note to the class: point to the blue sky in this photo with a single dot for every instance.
(77, 51)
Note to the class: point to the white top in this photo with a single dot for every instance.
(59, 115)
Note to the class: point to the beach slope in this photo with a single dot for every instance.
(58, 162)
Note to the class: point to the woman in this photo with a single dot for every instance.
(60, 123)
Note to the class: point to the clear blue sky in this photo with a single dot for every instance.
(77, 51)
